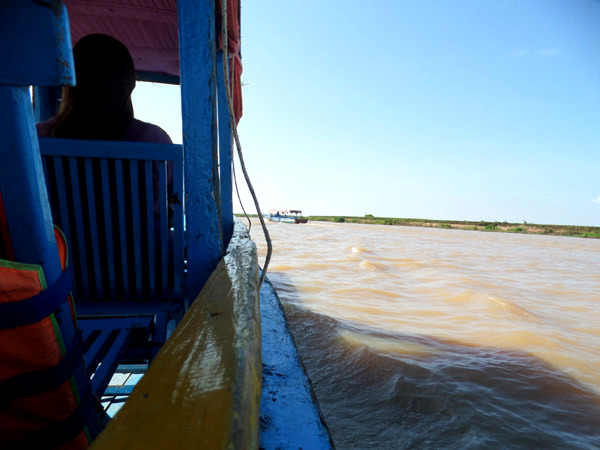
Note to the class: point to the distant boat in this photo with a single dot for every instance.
(286, 216)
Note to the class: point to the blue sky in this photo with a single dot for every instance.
(466, 110)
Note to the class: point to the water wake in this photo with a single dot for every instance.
(382, 390)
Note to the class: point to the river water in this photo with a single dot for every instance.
(451, 339)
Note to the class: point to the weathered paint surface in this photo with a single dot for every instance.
(198, 101)
(203, 388)
(22, 184)
(290, 416)
(225, 152)
(35, 48)
(36, 44)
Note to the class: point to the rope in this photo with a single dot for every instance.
(224, 42)
(237, 191)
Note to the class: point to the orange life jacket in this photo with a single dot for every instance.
(45, 395)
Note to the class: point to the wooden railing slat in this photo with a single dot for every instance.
(108, 232)
(178, 225)
(164, 228)
(63, 206)
(78, 223)
(92, 234)
(136, 227)
(151, 261)
(122, 238)
(104, 199)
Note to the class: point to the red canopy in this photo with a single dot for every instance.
(149, 30)
(233, 47)
(147, 27)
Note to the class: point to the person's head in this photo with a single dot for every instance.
(99, 106)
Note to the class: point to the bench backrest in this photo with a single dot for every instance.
(125, 247)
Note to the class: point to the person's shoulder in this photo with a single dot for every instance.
(147, 132)
(45, 128)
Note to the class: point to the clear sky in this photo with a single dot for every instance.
(465, 110)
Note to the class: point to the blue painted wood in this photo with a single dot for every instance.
(114, 323)
(178, 253)
(24, 192)
(149, 219)
(95, 353)
(204, 237)
(288, 409)
(46, 171)
(136, 228)
(43, 57)
(80, 235)
(46, 167)
(110, 149)
(159, 335)
(122, 238)
(132, 368)
(225, 155)
(105, 341)
(85, 334)
(22, 184)
(127, 308)
(108, 228)
(126, 389)
(109, 363)
(63, 206)
(164, 229)
(121, 234)
(92, 234)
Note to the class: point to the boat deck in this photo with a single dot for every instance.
(289, 414)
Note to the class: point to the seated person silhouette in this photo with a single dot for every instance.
(99, 107)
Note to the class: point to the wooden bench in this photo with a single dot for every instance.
(126, 240)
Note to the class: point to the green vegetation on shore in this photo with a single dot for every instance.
(527, 228)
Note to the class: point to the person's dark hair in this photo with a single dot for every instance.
(99, 106)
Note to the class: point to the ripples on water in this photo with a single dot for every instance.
(432, 338)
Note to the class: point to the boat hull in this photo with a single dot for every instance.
(287, 219)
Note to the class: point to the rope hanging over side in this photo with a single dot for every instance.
(224, 40)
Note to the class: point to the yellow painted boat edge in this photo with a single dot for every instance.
(203, 388)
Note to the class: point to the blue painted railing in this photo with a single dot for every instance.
(102, 195)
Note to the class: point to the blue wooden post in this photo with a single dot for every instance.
(225, 149)
(22, 184)
(35, 49)
(203, 225)
(36, 44)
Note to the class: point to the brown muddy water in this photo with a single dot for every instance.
(433, 338)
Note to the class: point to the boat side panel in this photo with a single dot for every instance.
(290, 414)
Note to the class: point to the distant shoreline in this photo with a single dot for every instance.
(503, 227)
